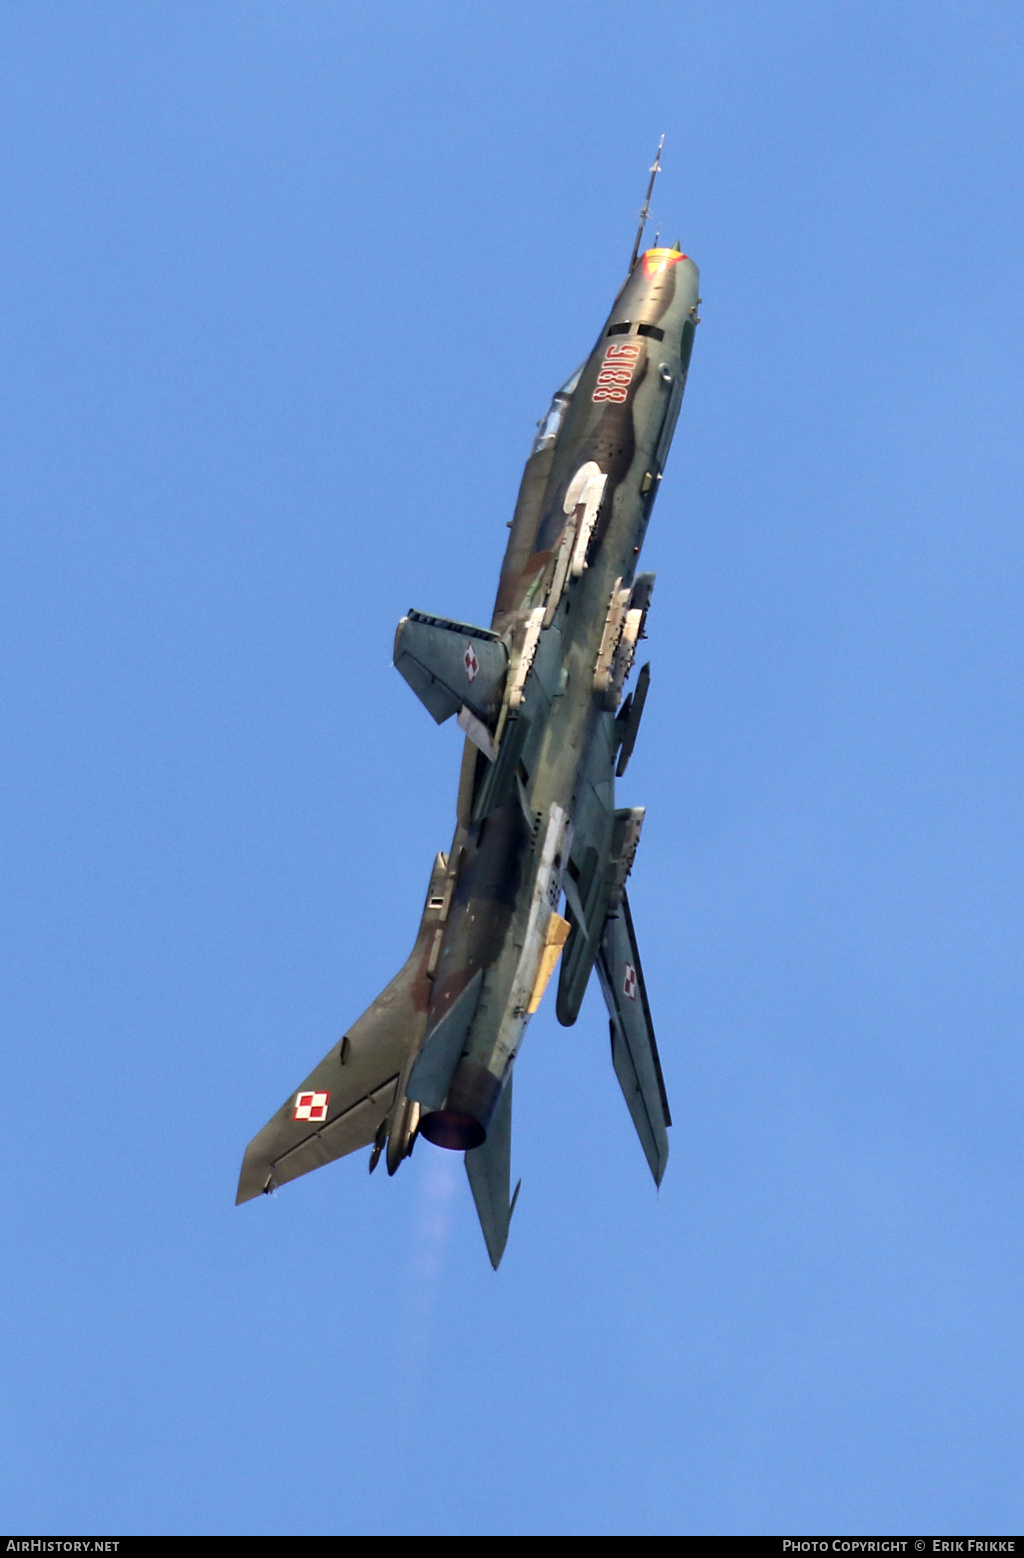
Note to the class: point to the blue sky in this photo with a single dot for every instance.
(286, 287)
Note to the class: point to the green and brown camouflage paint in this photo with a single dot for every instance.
(537, 813)
(569, 755)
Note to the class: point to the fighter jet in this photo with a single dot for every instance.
(538, 864)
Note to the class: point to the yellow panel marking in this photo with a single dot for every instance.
(555, 937)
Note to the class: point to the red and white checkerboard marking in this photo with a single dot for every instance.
(311, 1106)
(629, 982)
(471, 661)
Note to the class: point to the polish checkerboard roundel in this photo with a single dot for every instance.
(471, 661)
(311, 1106)
(629, 982)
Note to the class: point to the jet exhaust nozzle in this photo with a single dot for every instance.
(448, 1128)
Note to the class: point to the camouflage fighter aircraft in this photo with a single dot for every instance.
(537, 695)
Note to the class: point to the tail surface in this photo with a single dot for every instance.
(347, 1100)
(634, 1051)
(488, 1168)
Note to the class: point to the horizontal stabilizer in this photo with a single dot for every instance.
(432, 1074)
(634, 1051)
(449, 665)
(488, 1167)
(343, 1103)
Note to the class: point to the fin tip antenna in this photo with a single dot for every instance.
(645, 210)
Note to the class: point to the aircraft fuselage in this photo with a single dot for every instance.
(619, 418)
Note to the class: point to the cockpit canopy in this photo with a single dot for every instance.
(548, 426)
